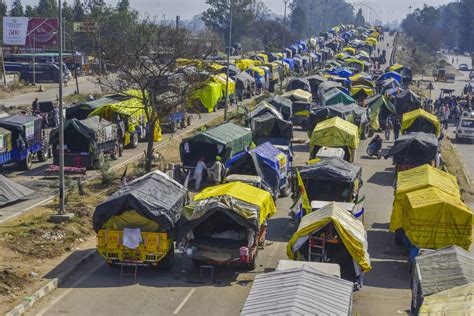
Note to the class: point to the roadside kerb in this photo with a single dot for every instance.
(21, 308)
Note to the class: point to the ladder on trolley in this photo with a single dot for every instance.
(317, 249)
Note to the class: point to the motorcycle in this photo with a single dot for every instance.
(371, 152)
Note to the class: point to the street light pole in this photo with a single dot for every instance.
(61, 116)
(284, 25)
(228, 63)
(310, 20)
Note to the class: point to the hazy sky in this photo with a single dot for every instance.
(395, 9)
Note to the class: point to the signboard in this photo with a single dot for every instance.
(14, 30)
(86, 27)
(33, 32)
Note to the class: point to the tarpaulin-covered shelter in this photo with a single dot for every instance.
(336, 96)
(351, 245)
(222, 80)
(390, 87)
(25, 129)
(315, 81)
(331, 179)
(244, 85)
(271, 128)
(11, 192)
(224, 220)
(407, 101)
(265, 161)
(282, 104)
(244, 64)
(81, 111)
(421, 177)
(326, 86)
(86, 142)
(390, 75)
(299, 83)
(435, 219)
(414, 149)
(450, 302)
(298, 95)
(437, 272)
(290, 62)
(335, 132)
(225, 140)
(208, 95)
(323, 113)
(155, 199)
(404, 71)
(263, 108)
(420, 121)
(281, 293)
(380, 109)
(362, 92)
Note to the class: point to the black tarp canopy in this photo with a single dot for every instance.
(299, 83)
(269, 127)
(414, 148)
(243, 80)
(320, 114)
(283, 105)
(333, 169)
(11, 191)
(94, 130)
(81, 111)
(26, 129)
(326, 86)
(314, 82)
(263, 108)
(407, 101)
(154, 196)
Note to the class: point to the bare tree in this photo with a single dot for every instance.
(147, 57)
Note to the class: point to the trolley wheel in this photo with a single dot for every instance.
(26, 163)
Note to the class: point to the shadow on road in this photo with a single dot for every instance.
(383, 178)
(66, 263)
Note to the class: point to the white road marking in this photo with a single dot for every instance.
(66, 292)
(176, 311)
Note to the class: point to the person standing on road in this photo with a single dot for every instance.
(198, 171)
(56, 116)
(215, 171)
(35, 106)
(388, 128)
(445, 116)
(396, 127)
(457, 115)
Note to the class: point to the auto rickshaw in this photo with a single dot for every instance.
(225, 225)
(137, 224)
(331, 234)
(335, 132)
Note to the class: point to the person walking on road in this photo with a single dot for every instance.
(445, 116)
(35, 106)
(396, 127)
(388, 128)
(198, 171)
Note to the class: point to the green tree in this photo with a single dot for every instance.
(359, 19)
(17, 9)
(78, 9)
(298, 20)
(68, 12)
(217, 17)
(3, 8)
(123, 5)
(30, 11)
(47, 8)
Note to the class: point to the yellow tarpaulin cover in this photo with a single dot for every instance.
(302, 195)
(131, 219)
(367, 90)
(260, 71)
(132, 108)
(350, 230)
(364, 53)
(264, 56)
(341, 56)
(434, 219)
(215, 66)
(458, 301)
(209, 95)
(375, 34)
(244, 64)
(243, 192)
(395, 67)
(410, 117)
(418, 178)
(334, 132)
(349, 49)
(299, 94)
(372, 40)
(221, 79)
(360, 75)
(189, 62)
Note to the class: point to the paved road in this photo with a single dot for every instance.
(97, 289)
(86, 85)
